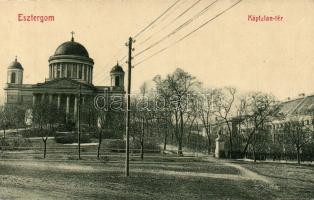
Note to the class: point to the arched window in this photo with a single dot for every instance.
(13, 77)
(117, 81)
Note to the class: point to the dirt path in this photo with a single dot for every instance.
(248, 174)
(244, 172)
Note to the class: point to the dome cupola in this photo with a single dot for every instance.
(15, 65)
(71, 48)
(71, 60)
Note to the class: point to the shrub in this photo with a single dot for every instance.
(3, 143)
(107, 134)
(71, 137)
(15, 142)
(35, 132)
(116, 145)
(147, 145)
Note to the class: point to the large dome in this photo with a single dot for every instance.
(71, 48)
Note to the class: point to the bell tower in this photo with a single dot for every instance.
(117, 77)
(15, 73)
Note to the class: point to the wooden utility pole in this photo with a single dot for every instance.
(79, 123)
(127, 124)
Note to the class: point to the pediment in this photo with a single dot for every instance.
(64, 83)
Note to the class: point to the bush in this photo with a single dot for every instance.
(15, 142)
(108, 134)
(71, 137)
(118, 145)
(35, 132)
(147, 146)
(115, 145)
(3, 143)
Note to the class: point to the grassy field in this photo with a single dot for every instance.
(293, 181)
(167, 178)
(25, 175)
(148, 180)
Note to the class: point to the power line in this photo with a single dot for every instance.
(187, 35)
(150, 24)
(109, 61)
(169, 13)
(203, 11)
(180, 15)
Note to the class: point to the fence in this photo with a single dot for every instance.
(280, 156)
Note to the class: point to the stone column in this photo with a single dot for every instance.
(71, 68)
(91, 75)
(42, 97)
(68, 105)
(65, 70)
(55, 70)
(49, 71)
(59, 101)
(50, 98)
(83, 100)
(34, 99)
(87, 73)
(77, 70)
(75, 107)
(83, 72)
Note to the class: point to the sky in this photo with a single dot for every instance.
(274, 57)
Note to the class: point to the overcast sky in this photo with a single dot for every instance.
(276, 57)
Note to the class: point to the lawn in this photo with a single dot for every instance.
(25, 175)
(162, 179)
(293, 181)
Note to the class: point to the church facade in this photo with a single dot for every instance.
(70, 76)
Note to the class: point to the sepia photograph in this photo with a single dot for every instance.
(157, 99)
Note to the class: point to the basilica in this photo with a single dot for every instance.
(70, 74)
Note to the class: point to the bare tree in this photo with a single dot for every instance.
(5, 119)
(224, 101)
(298, 135)
(178, 86)
(261, 109)
(45, 117)
(206, 113)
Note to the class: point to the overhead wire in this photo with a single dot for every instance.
(173, 20)
(190, 20)
(189, 34)
(156, 19)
